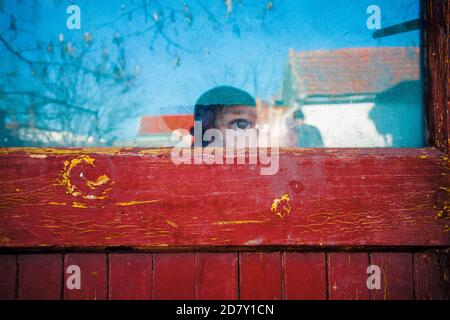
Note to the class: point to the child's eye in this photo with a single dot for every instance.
(241, 124)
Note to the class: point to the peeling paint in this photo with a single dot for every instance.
(38, 156)
(238, 222)
(133, 203)
(171, 223)
(65, 175)
(254, 242)
(71, 189)
(57, 203)
(100, 181)
(281, 206)
(61, 151)
(79, 205)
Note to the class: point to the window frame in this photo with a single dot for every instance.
(337, 175)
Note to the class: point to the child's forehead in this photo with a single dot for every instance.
(238, 109)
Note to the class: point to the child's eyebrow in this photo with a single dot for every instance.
(234, 111)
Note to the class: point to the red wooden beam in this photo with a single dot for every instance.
(139, 198)
(8, 271)
(216, 276)
(93, 276)
(437, 72)
(174, 276)
(40, 277)
(396, 276)
(347, 276)
(260, 276)
(432, 275)
(130, 276)
(304, 276)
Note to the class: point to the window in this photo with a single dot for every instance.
(129, 73)
(389, 206)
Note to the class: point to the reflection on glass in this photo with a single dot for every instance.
(130, 73)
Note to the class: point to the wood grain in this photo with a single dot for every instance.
(93, 276)
(217, 276)
(304, 276)
(397, 280)
(437, 73)
(347, 276)
(432, 275)
(174, 276)
(8, 277)
(130, 276)
(260, 276)
(40, 277)
(337, 197)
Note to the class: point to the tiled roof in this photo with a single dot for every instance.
(353, 71)
(165, 123)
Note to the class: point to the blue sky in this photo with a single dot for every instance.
(247, 48)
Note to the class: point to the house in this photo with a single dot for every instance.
(337, 92)
(156, 131)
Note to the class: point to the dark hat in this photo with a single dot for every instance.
(222, 96)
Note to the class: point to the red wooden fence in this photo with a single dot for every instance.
(243, 275)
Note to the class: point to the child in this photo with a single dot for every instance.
(225, 108)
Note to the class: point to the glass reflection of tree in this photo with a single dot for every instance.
(76, 92)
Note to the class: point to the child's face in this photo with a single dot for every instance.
(236, 117)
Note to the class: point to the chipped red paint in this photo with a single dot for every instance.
(348, 197)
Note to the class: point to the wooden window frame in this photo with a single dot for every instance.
(72, 198)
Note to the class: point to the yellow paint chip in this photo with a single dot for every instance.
(79, 205)
(172, 224)
(100, 180)
(57, 203)
(237, 222)
(281, 206)
(133, 203)
(38, 156)
(66, 182)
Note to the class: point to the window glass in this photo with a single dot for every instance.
(344, 73)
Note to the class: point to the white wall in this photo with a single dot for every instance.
(345, 125)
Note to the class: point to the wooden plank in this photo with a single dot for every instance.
(304, 276)
(437, 73)
(8, 277)
(217, 276)
(93, 271)
(336, 197)
(347, 276)
(40, 277)
(130, 276)
(260, 276)
(431, 275)
(397, 280)
(174, 276)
